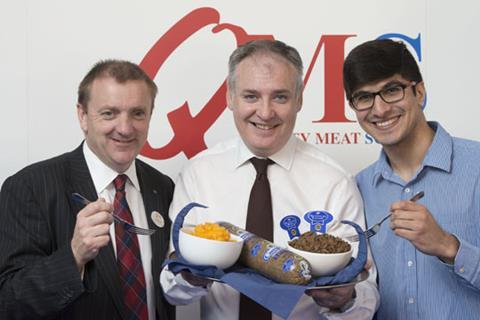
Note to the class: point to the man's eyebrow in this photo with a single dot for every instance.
(281, 91)
(274, 92)
(385, 86)
(392, 83)
(107, 106)
(248, 91)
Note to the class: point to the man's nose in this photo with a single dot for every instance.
(265, 109)
(379, 105)
(125, 124)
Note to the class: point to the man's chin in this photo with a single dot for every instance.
(262, 150)
(122, 163)
(381, 136)
(386, 141)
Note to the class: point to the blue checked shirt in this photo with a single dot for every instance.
(414, 285)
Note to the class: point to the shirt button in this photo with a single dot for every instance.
(411, 301)
(407, 190)
(410, 263)
(461, 270)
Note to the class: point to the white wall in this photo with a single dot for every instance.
(47, 47)
(452, 67)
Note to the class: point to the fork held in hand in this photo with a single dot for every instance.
(376, 227)
(128, 226)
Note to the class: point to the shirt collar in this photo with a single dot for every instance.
(103, 175)
(284, 157)
(382, 168)
(439, 155)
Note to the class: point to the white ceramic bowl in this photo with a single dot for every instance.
(201, 251)
(324, 264)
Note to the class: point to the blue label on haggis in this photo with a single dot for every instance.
(270, 252)
(255, 249)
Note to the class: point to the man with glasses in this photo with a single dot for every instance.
(428, 261)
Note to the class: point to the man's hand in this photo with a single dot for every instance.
(334, 298)
(194, 280)
(91, 231)
(415, 223)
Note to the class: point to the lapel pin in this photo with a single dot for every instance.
(158, 219)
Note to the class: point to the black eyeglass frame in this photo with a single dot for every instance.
(412, 84)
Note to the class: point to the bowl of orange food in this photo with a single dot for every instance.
(209, 244)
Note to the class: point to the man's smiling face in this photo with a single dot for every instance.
(116, 120)
(264, 102)
(391, 123)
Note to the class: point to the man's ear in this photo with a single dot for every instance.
(229, 99)
(421, 93)
(299, 102)
(82, 117)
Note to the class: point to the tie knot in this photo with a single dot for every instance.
(261, 164)
(119, 182)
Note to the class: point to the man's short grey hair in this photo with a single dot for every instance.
(265, 46)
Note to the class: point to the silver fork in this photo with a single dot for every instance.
(128, 226)
(376, 227)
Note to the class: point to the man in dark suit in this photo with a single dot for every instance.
(63, 260)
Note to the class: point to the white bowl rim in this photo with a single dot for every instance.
(323, 254)
(232, 236)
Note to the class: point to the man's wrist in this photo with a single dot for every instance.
(451, 250)
(349, 303)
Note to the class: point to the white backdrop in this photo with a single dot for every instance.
(48, 46)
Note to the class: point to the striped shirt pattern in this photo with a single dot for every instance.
(414, 285)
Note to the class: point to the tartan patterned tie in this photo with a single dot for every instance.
(128, 257)
(259, 222)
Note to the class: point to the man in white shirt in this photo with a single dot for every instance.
(64, 260)
(265, 93)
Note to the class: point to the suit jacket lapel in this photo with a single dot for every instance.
(79, 180)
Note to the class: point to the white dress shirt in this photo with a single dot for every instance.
(103, 177)
(302, 179)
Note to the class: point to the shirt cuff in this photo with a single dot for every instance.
(467, 262)
(178, 291)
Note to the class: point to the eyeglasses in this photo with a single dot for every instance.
(391, 94)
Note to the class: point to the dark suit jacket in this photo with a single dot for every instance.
(38, 275)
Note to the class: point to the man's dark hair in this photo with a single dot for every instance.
(120, 70)
(376, 60)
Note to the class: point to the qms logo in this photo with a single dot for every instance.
(189, 131)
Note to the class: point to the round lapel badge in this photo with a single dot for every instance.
(158, 219)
